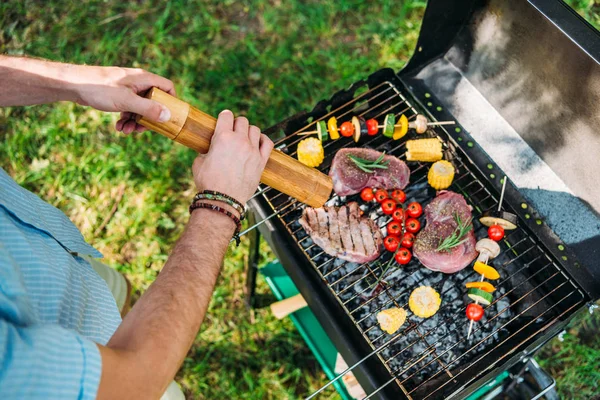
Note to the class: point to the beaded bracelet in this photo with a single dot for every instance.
(238, 224)
(218, 196)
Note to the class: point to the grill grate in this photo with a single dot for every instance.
(428, 357)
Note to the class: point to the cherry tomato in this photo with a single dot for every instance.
(398, 215)
(414, 210)
(391, 243)
(413, 225)
(388, 206)
(367, 194)
(372, 127)
(408, 239)
(347, 129)
(398, 195)
(394, 228)
(381, 195)
(403, 256)
(496, 232)
(474, 312)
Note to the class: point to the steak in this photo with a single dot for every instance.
(349, 179)
(343, 233)
(441, 215)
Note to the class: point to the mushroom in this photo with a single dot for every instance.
(488, 249)
(419, 124)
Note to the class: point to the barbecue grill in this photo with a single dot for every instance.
(521, 79)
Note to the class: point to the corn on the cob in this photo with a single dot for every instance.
(424, 150)
(392, 319)
(440, 175)
(310, 152)
(424, 301)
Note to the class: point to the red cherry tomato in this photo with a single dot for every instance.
(398, 215)
(367, 194)
(381, 195)
(347, 129)
(394, 228)
(388, 206)
(391, 243)
(408, 239)
(474, 312)
(414, 210)
(412, 225)
(372, 127)
(403, 256)
(398, 195)
(496, 232)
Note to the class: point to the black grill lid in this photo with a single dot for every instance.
(523, 78)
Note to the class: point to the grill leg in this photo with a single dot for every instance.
(252, 262)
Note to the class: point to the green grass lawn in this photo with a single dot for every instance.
(264, 59)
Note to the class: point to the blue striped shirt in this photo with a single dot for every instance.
(53, 306)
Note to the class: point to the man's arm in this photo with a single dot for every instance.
(147, 349)
(28, 81)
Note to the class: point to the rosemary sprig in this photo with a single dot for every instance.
(385, 269)
(368, 165)
(458, 236)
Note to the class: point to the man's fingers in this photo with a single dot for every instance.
(129, 127)
(120, 123)
(266, 146)
(254, 136)
(224, 121)
(150, 109)
(241, 125)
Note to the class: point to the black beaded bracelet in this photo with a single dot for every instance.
(218, 196)
(238, 224)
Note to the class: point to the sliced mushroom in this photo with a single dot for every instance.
(488, 249)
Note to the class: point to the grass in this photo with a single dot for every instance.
(264, 59)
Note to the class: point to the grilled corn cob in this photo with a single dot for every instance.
(310, 152)
(424, 301)
(392, 319)
(424, 150)
(440, 175)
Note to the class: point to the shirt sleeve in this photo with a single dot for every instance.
(47, 362)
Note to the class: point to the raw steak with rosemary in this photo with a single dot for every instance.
(343, 233)
(447, 243)
(354, 169)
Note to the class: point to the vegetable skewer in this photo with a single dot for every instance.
(420, 124)
(487, 249)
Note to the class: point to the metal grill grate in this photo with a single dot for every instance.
(431, 357)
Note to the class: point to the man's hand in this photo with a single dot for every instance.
(122, 90)
(28, 81)
(236, 158)
(149, 346)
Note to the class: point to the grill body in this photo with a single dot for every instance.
(545, 280)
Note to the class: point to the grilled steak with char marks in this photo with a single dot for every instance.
(343, 233)
(441, 222)
(349, 179)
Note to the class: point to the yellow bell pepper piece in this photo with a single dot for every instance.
(401, 130)
(485, 286)
(485, 270)
(333, 128)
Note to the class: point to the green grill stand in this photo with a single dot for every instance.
(306, 323)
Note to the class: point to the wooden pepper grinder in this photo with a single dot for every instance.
(194, 129)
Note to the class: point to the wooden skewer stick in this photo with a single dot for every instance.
(502, 193)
